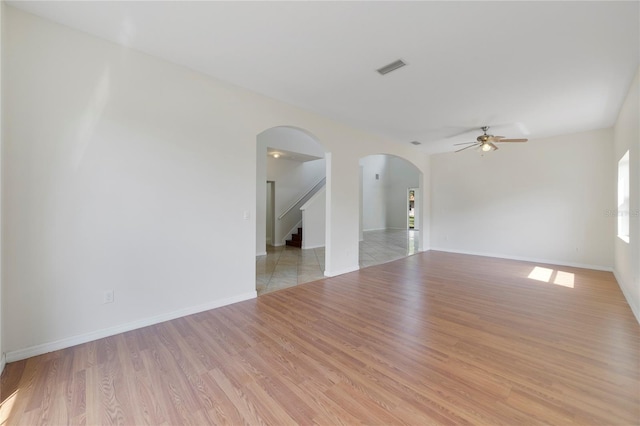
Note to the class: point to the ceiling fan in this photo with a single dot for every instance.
(486, 142)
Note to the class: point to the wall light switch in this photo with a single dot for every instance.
(245, 215)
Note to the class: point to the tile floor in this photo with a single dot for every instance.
(285, 266)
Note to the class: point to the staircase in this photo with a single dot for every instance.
(296, 239)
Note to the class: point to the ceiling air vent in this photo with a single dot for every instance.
(391, 67)
(416, 143)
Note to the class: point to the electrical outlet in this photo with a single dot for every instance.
(108, 296)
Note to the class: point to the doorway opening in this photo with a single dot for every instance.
(412, 193)
(390, 209)
(291, 172)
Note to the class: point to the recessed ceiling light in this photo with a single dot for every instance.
(276, 155)
(391, 67)
(416, 143)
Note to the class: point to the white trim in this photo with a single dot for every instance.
(264, 253)
(106, 332)
(311, 247)
(3, 362)
(302, 197)
(635, 309)
(529, 259)
(321, 192)
(341, 271)
(389, 228)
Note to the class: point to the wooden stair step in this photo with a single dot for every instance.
(293, 243)
(296, 239)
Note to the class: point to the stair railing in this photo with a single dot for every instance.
(306, 194)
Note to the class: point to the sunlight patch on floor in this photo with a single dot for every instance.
(541, 274)
(565, 279)
(6, 406)
(561, 278)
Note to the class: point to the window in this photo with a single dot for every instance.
(623, 197)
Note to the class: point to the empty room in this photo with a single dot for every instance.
(374, 212)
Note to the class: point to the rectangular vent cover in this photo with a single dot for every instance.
(391, 67)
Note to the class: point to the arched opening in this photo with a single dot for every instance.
(391, 208)
(291, 173)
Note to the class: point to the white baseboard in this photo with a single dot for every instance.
(3, 362)
(341, 271)
(390, 228)
(311, 247)
(528, 259)
(262, 253)
(106, 332)
(635, 309)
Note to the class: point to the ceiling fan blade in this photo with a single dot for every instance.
(467, 147)
(495, 148)
(460, 133)
(512, 140)
(495, 138)
(464, 143)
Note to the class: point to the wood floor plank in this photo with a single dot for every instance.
(436, 338)
(219, 405)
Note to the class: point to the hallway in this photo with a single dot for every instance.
(284, 266)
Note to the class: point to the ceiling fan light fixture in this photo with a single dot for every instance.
(485, 142)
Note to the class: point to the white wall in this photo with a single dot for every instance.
(2, 356)
(126, 172)
(293, 179)
(270, 215)
(627, 255)
(541, 200)
(374, 192)
(314, 220)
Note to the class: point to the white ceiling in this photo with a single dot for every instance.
(531, 69)
(291, 156)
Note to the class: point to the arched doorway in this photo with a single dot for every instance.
(391, 200)
(290, 208)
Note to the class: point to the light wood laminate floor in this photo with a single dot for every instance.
(434, 338)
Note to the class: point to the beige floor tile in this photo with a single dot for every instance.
(285, 266)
